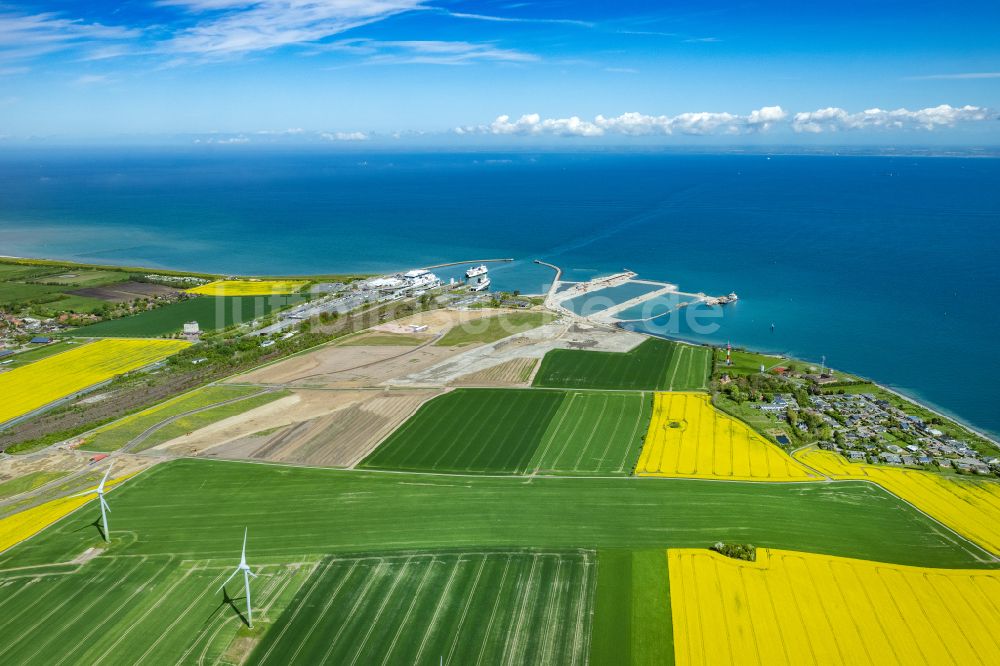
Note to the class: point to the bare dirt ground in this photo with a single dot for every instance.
(78, 474)
(126, 291)
(439, 321)
(515, 372)
(311, 427)
(302, 405)
(533, 344)
(64, 459)
(348, 366)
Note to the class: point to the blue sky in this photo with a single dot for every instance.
(253, 71)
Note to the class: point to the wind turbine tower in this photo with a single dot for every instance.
(245, 568)
(105, 509)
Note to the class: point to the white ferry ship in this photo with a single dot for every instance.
(480, 284)
(476, 271)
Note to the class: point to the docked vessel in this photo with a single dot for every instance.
(480, 284)
(476, 271)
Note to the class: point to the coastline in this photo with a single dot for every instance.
(917, 401)
(959, 421)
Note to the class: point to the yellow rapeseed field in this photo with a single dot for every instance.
(248, 287)
(37, 384)
(688, 437)
(971, 508)
(15, 529)
(802, 608)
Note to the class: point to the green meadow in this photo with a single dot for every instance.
(362, 567)
(211, 313)
(654, 365)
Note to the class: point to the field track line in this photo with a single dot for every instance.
(378, 615)
(474, 418)
(437, 610)
(319, 574)
(568, 437)
(493, 613)
(677, 364)
(166, 630)
(67, 600)
(636, 424)
(594, 433)
(354, 609)
(24, 587)
(138, 590)
(558, 427)
(588, 585)
(409, 609)
(468, 603)
(514, 633)
(197, 638)
(551, 612)
(618, 422)
(97, 576)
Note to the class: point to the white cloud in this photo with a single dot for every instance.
(763, 119)
(532, 124)
(514, 19)
(703, 123)
(344, 136)
(962, 75)
(224, 141)
(291, 131)
(634, 124)
(232, 27)
(835, 119)
(25, 36)
(427, 52)
(92, 79)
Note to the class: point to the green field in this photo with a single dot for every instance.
(491, 329)
(422, 608)
(211, 313)
(116, 435)
(632, 622)
(470, 431)
(192, 422)
(38, 352)
(30, 481)
(655, 364)
(347, 560)
(82, 279)
(45, 287)
(746, 363)
(594, 433)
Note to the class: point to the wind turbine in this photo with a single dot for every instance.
(245, 568)
(104, 505)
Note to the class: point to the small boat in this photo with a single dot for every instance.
(480, 284)
(476, 271)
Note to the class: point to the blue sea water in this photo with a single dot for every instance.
(887, 266)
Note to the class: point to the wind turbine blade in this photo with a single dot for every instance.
(251, 573)
(101, 487)
(244, 544)
(229, 579)
(104, 503)
(85, 492)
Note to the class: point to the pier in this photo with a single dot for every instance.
(608, 315)
(470, 261)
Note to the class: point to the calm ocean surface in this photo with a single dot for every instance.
(888, 266)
